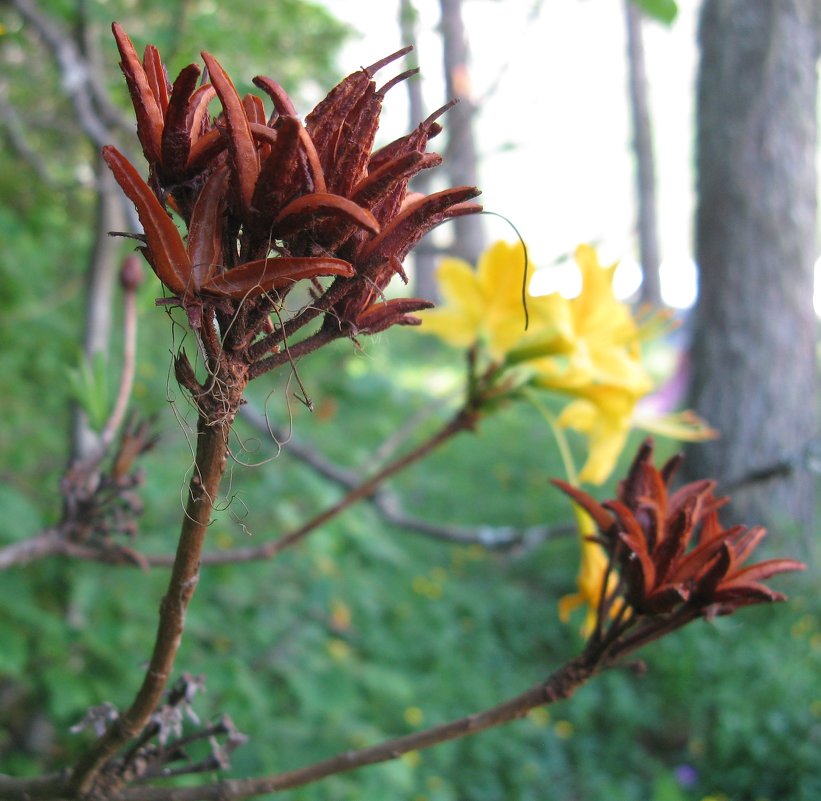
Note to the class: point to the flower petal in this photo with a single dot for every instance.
(413, 222)
(155, 74)
(176, 135)
(240, 141)
(283, 104)
(146, 107)
(169, 257)
(323, 203)
(264, 275)
(603, 519)
(205, 228)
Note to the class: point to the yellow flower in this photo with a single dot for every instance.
(604, 415)
(484, 306)
(588, 347)
(589, 579)
(603, 369)
(563, 729)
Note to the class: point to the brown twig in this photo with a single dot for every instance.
(557, 687)
(293, 352)
(79, 81)
(48, 542)
(204, 486)
(389, 506)
(55, 541)
(462, 421)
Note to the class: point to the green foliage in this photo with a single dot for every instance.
(88, 382)
(364, 631)
(293, 41)
(662, 10)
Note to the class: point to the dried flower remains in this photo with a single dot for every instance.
(673, 558)
(269, 201)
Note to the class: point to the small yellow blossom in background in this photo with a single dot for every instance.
(484, 306)
(338, 650)
(340, 615)
(411, 759)
(803, 627)
(540, 716)
(414, 716)
(223, 540)
(563, 729)
(325, 565)
(431, 586)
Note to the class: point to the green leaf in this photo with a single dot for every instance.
(89, 387)
(662, 10)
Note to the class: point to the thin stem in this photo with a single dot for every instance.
(290, 353)
(203, 489)
(653, 630)
(46, 543)
(558, 686)
(334, 294)
(464, 420)
(561, 440)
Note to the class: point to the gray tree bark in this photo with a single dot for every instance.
(461, 157)
(647, 222)
(753, 354)
(424, 260)
(100, 285)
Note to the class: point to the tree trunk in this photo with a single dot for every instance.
(753, 354)
(645, 163)
(100, 284)
(424, 261)
(460, 155)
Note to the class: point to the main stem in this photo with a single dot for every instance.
(202, 492)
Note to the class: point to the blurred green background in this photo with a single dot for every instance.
(364, 631)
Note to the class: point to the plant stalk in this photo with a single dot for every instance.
(202, 492)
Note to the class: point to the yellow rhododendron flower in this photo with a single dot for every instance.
(605, 418)
(603, 369)
(588, 347)
(606, 414)
(484, 306)
(589, 580)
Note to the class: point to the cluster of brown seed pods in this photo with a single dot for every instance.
(269, 201)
